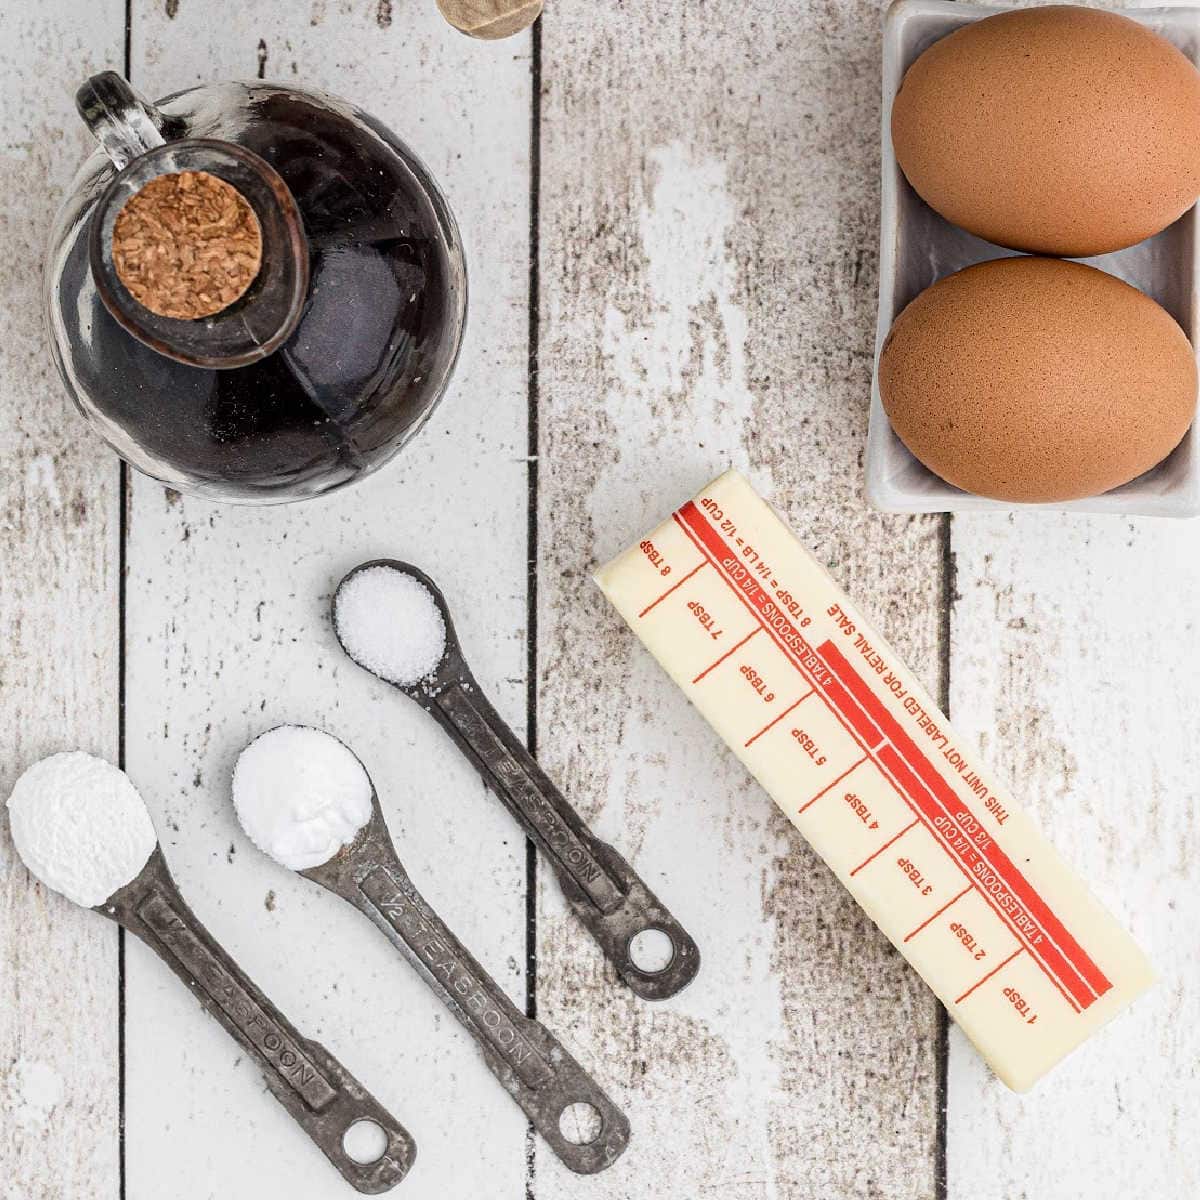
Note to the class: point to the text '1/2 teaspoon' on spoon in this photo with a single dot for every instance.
(305, 799)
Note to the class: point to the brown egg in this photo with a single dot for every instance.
(1056, 130)
(1037, 379)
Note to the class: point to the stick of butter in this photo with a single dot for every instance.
(852, 749)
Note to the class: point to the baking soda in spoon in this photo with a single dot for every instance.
(300, 795)
(81, 827)
(304, 798)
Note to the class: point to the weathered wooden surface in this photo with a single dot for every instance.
(708, 235)
(229, 635)
(59, 530)
(1074, 664)
(707, 230)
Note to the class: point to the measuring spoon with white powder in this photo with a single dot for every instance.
(304, 798)
(393, 621)
(81, 827)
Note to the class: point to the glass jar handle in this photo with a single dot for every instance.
(124, 123)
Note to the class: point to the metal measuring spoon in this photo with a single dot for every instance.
(320, 1094)
(602, 889)
(323, 1097)
(529, 1061)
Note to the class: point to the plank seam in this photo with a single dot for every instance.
(123, 486)
(532, 545)
(942, 1043)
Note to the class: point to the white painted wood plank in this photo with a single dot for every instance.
(1074, 667)
(228, 635)
(708, 233)
(59, 522)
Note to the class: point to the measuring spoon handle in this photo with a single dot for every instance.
(604, 891)
(533, 1066)
(319, 1093)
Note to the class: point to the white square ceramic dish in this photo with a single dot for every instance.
(917, 247)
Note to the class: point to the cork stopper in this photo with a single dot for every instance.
(187, 245)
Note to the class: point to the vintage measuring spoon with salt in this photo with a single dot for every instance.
(304, 798)
(393, 621)
(82, 828)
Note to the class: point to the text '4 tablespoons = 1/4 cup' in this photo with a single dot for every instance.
(298, 792)
(380, 604)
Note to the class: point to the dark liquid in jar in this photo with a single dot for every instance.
(364, 364)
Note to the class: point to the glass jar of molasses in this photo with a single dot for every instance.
(255, 293)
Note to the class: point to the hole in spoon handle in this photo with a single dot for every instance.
(318, 1092)
(532, 1065)
(603, 890)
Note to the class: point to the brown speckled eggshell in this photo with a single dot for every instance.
(1056, 130)
(1037, 380)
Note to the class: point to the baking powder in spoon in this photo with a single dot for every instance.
(80, 826)
(300, 795)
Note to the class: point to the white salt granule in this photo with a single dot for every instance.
(301, 795)
(389, 622)
(80, 826)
